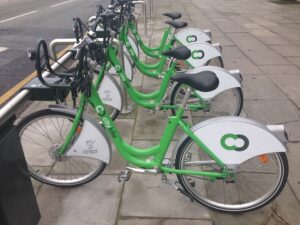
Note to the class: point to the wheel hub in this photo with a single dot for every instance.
(53, 153)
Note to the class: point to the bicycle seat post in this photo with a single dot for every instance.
(186, 96)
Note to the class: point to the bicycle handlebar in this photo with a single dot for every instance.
(42, 63)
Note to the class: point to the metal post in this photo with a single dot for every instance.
(152, 6)
(145, 14)
(59, 41)
(12, 106)
(150, 9)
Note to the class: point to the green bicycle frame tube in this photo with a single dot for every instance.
(149, 70)
(153, 52)
(147, 100)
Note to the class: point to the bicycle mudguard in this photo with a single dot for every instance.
(235, 139)
(227, 80)
(192, 35)
(127, 67)
(201, 54)
(110, 92)
(92, 142)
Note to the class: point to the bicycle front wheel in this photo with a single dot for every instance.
(41, 134)
(257, 181)
(227, 103)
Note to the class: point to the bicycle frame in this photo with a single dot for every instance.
(150, 70)
(147, 100)
(153, 52)
(141, 157)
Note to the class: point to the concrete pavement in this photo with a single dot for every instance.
(260, 38)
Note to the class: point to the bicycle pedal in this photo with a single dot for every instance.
(185, 117)
(124, 175)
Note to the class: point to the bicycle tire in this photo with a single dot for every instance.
(218, 61)
(236, 196)
(233, 107)
(40, 134)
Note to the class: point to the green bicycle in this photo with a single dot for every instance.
(202, 53)
(226, 99)
(190, 35)
(230, 164)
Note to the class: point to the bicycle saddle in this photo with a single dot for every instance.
(181, 53)
(204, 81)
(173, 15)
(177, 23)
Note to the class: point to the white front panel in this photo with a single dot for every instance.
(226, 80)
(201, 54)
(235, 140)
(91, 143)
(127, 67)
(133, 45)
(192, 35)
(109, 93)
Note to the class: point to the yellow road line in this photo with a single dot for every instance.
(21, 84)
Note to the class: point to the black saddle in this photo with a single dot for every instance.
(204, 81)
(181, 53)
(177, 24)
(173, 15)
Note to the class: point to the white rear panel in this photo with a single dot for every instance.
(192, 35)
(201, 54)
(226, 80)
(235, 140)
(110, 93)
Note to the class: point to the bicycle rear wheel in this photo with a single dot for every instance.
(227, 103)
(258, 181)
(41, 133)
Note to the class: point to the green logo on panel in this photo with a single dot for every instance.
(191, 38)
(230, 141)
(198, 54)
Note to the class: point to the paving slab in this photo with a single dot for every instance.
(295, 61)
(261, 87)
(293, 130)
(287, 50)
(294, 176)
(270, 111)
(287, 207)
(256, 50)
(147, 196)
(138, 221)
(268, 37)
(93, 203)
(232, 52)
(224, 41)
(289, 85)
(245, 65)
(280, 69)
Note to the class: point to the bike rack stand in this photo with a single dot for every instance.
(12, 106)
(150, 9)
(57, 42)
(145, 14)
